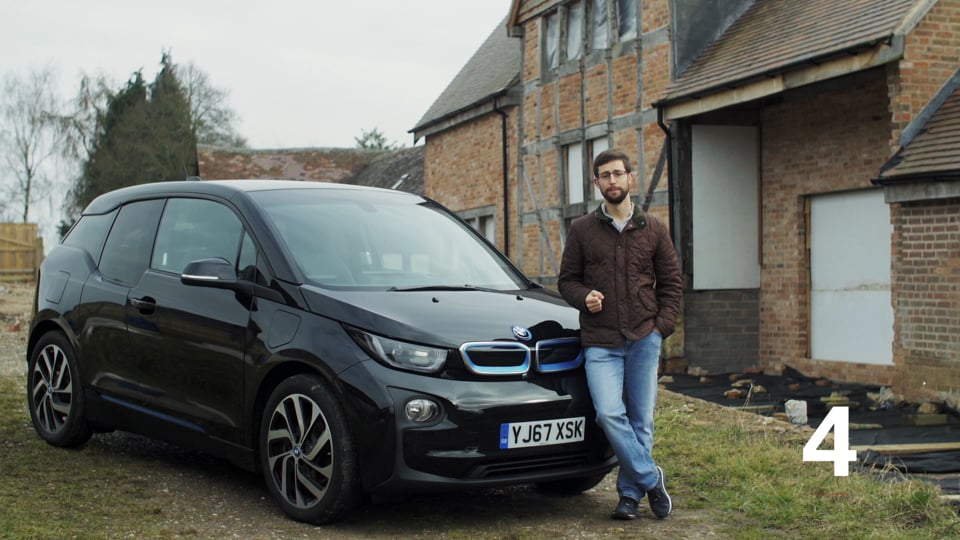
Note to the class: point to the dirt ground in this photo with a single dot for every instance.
(16, 303)
(218, 500)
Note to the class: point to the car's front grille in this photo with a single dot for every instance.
(496, 358)
(513, 358)
(558, 355)
(529, 465)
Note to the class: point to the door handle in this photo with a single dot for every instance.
(146, 304)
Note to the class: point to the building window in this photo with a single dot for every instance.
(482, 220)
(627, 19)
(596, 146)
(574, 31)
(551, 44)
(575, 173)
(585, 22)
(600, 26)
(579, 173)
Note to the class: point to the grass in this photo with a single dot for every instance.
(740, 473)
(752, 468)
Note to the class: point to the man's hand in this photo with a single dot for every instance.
(594, 301)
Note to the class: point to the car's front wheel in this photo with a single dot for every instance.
(306, 451)
(55, 394)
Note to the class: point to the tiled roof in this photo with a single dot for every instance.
(379, 168)
(775, 35)
(493, 68)
(397, 169)
(935, 151)
(316, 164)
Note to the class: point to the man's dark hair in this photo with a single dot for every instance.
(610, 155)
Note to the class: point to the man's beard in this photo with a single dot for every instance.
(615, 200)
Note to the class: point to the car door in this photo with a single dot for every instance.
(190, 341)
(100, 320)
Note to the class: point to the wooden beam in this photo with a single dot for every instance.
(911, 448)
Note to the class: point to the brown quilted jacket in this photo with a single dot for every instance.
(636, 270)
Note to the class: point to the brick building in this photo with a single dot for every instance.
(921, 185)
(758, 127)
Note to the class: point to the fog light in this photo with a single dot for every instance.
(421, 410)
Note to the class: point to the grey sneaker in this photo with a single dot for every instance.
(658, 497)
(626, 509)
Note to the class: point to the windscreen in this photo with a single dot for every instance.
(382, 240)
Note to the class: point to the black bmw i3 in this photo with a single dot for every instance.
(345, 341)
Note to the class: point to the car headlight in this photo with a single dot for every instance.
(400, 354)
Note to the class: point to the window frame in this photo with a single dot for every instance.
(556, 31)
(163, 234)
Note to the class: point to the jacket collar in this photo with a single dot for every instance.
(639, 218)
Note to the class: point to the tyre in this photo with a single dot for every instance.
(571, 486)
(306, 452)
(54, 392)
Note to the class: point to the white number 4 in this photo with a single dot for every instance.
(838, 418)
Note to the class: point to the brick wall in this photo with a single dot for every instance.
(722, 329)
(595, 94)
(931, 56)
(926, 297)
(821, 139)
(570, 102)
(463, 168)
(624, 91)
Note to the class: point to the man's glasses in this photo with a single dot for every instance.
(607, 175)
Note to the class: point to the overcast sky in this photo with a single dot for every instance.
(300, 73)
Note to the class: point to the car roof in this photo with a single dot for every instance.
(221, 188)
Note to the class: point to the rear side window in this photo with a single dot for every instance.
(89, 233)
(127, 250)
(194, 229)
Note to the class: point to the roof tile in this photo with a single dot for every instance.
(935, 150)
(774, 35)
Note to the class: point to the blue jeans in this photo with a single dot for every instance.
(623, 385)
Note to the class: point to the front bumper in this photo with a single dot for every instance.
(461, 449)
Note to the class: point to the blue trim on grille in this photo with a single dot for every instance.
(522, 363)
(560, 366)
(518, 368)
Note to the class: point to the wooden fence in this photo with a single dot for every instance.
(21, 251)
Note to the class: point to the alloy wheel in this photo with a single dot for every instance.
(300, 450)
(51, 389)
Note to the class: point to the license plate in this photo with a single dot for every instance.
(541, 433)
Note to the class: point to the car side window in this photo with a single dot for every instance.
(192, 229)
(251, 265)
(89, 233)
(127, 249)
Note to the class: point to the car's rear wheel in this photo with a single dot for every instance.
(306, 451)
(571, 486)
(55, 394)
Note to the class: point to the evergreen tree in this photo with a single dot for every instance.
(118, 150)
(374, 140)
(174, 155)
(144, 135)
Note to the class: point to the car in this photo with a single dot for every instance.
(348, 342)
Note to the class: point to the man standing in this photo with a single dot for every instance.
(620, 270)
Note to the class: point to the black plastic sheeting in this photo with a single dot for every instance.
(894, 419)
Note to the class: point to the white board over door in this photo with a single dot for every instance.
(726, 250)
(851, 317)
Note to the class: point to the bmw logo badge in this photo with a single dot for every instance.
(521, 333)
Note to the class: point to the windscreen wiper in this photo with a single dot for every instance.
(440, 288)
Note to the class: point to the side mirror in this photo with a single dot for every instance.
(214, 272)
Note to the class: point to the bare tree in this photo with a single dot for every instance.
(213, 120)
(81, 125)
(29, 139)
